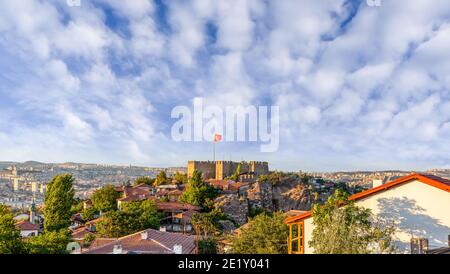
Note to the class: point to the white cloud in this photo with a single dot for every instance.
(348, 97)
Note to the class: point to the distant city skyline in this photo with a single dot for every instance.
(358, 86)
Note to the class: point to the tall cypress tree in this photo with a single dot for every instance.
(10, 240)
(58, 202)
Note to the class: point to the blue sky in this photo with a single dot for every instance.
(358, 87)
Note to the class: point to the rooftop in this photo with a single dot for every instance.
(149, 241)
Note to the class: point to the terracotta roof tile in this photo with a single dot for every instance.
(26, 225)
(157, 242)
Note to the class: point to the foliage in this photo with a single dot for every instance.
(89, 214)
(180, 178)
(133, 217)
(88, 238)
(343, 228)
(198, 192)
(207, 246)
(161, 178)
(264, 234)
(144, 180)
(149, 215)
(104, 199)
(51, 242)
(10, 240)
(76, 207)
(274, 177)
(207, 223)
(58, 202)
(237, 173)
(304, 177)
(255, 211)
(164, 199)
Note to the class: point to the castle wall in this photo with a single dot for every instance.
(222, 169)
(259, 168)
(207, 168)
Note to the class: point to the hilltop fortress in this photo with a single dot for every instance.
(220, 170)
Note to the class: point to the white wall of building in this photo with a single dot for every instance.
(417, 209)
(28, 233)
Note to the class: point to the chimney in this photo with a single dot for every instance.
(376, 183)
(178, 249)
(144, 235)
(117, 249)
(162, 228)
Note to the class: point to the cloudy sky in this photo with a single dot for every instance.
(358, 87)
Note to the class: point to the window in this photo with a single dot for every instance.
(296, 238)
(419, 245)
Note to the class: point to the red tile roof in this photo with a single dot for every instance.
(428, 179)
(98, 242)
(79, 233)
(157, 242)
(26, 225)
(186, 216)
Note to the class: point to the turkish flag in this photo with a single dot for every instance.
(217, 137)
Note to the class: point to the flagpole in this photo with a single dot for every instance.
(214, 150)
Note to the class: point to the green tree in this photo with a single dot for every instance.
(180, 178)
(10, 240)
(76, 207)
(116, 224)
(198, 192)
(264, 234)
(88, 239)
(144, 180)
(149, 215)
(133, 217)
(207, 223)
(161, 179)
(89, 214)
(58, 202)
(340, 227)
(51, 242)
(104, 199)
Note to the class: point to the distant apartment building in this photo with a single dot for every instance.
(220, 170)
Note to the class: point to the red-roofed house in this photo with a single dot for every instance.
(149, 241)
(418, 204)
(137, 193)
(27, 229)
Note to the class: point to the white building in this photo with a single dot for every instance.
(418, 204)
(27, 229)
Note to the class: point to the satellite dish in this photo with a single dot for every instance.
(73, 248)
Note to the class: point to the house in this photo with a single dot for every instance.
(79, 233)
(182, 222)
(137, 193)
(76, 220)
(170, 195)
(418, 205)
(92, 224)
(27, 229)
(148, 241)
(172, 220)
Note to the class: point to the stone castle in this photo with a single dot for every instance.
(220, 170)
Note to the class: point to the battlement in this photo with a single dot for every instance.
(222, 169)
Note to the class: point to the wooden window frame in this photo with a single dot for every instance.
(300, 238)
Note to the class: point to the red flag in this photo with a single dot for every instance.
(217, 137)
